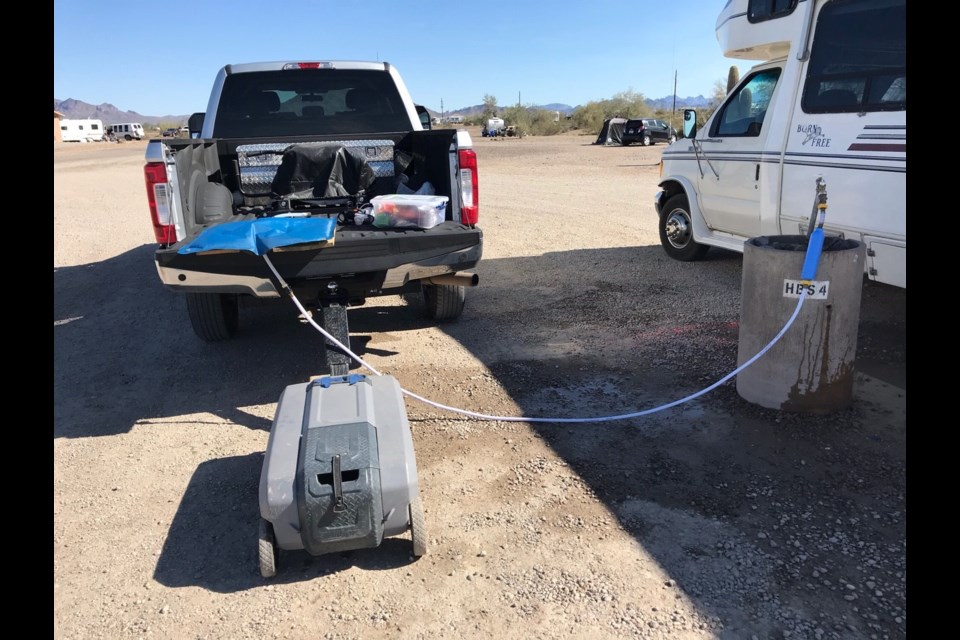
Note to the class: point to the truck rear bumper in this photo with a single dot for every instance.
(364, 262)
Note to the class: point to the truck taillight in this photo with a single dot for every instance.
(158, 197)
(469, 187)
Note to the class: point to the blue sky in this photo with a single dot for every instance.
(161, 58)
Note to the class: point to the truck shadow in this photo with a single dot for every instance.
(124, 352)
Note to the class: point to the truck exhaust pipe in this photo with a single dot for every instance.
(463, 279)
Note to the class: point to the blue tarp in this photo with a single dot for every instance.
(261, 235)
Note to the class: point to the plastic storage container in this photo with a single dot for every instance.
(409, 211)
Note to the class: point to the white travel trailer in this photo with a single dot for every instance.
(81, 130)
(828, 101)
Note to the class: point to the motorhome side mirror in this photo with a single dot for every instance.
(195, 124)
(689, 123)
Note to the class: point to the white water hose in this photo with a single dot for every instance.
(483, 416)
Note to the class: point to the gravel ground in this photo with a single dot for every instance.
(714, 519)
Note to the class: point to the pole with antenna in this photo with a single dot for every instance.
(673, 111)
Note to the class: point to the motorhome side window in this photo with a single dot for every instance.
(858, 62)
(760, 10)
(746, 108)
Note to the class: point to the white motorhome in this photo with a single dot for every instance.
(127, 130)
(828, 101)
(81, 130)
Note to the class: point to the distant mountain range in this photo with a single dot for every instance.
(76, 109)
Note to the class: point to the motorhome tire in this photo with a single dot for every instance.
(676, 231)
(215, 317)
(443, 301)
(267, 549)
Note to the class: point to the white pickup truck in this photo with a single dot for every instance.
(361, 115)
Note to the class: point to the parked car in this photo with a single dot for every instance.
(648, 131)
(170, 133)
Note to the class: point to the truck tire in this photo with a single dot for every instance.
(443, 301)
(676, 231)
(214, 316)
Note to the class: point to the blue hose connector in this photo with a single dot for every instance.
(814, 247)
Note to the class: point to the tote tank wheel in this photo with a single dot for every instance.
(418, 528)
(267, 549)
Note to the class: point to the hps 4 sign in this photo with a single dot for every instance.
(815, 289)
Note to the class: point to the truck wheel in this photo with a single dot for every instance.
(267, 549)
(214, 316)
(646, 140)
(443, 301)
(676, 231)
(418, 528)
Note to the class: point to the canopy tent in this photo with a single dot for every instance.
(612, 131)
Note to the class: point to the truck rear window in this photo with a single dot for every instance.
(309, 102)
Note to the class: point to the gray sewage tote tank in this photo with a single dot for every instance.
(339, 471)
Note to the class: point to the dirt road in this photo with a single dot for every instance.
(715, 519)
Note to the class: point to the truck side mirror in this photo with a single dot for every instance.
(424, 116)
(689, 123)
(195, 124)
